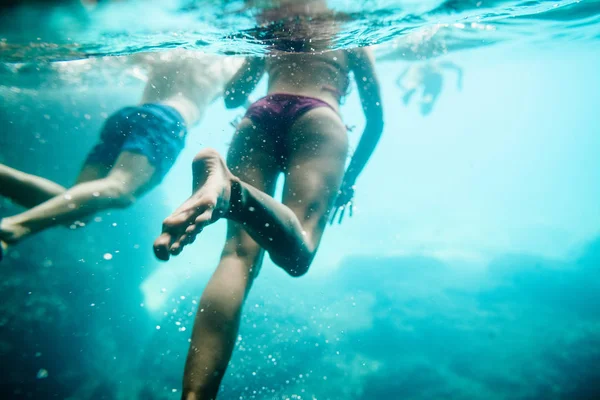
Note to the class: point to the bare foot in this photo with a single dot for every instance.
(11, 233)
(208, 203)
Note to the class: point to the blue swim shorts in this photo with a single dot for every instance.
(156, 131)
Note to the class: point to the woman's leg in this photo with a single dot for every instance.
(273, 225)
(314, 171)
(217, 320)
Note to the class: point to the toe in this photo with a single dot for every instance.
(161, 246)
(176, 248)
(184, 240)
(175, 222)
(205, 218)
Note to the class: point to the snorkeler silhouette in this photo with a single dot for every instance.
(296, 131)
(137, 147)
(428, 77)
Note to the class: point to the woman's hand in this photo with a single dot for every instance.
(344, 200)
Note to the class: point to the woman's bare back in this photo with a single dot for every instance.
(320, 75)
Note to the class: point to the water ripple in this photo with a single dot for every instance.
(59, 33)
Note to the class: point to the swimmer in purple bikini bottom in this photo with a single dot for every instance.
(295, 131)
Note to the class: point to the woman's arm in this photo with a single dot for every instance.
(362, 63)
(244, 82)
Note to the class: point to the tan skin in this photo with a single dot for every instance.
(176, 79)
(241, 191)
(50, 204)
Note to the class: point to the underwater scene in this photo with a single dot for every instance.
(300, 199)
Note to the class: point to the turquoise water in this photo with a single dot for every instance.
(470, 269)
(71, 32)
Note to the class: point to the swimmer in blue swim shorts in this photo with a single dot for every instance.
(136, 149)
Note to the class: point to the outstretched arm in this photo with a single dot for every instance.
(244, 82)
(457, 69)
(363, 66)
(400, 77)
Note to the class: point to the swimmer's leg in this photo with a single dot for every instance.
(408, 95)
(220, 194)
(315, 170)
(432, 88)
(92, 172)
(409, 90)
(127, 180)
(217, 321)
(25, 189)
(29, 190)
(273, 225)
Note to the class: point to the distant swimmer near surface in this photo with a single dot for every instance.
(429, 78)
(136, 149)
